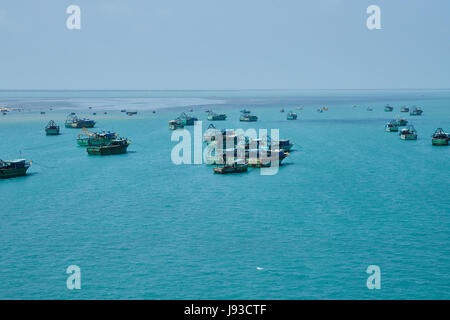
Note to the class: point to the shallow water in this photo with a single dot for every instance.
(349, 196)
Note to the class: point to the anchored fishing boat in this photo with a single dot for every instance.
(74, 122)
(404, 109)
(417, 111)
(388, 108)
(256, 158)
(409, 133)
(89, 138)
(400, 122)
(244, 111)
(13, 168)
(212, 116)
(123, 110)
(291, 116)
(247, 117)
(281, 110)
(299, 108)
(176, 124)
(52, 129)
(440, 138)
(116, 146)
(236, 167)
(131, 113)
(186, 119)
(391, 127)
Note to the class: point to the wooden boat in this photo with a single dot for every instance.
(116, 146)
(176, 124)
(409, 133)
(247, 117)
(186, 119)
(391, 127)
(417, 111)
(42, 112)
(236, 167)
(52, 129)
(388, 108)
(255, 159)
(400, 122)
(131, 113)
(404, 109)
(291, 116)
(123, 110)
(216, 117)
(281, 110)
(13, 168)
(89, 138)
(75, 122)
(440, 138)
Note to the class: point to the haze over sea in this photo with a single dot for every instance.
(350, 195)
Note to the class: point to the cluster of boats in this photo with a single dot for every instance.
(245, 116)
(439, 137)
(73, 121)
(408, 133)
(414, 111)
(232, 153)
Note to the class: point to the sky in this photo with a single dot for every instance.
(224, 45)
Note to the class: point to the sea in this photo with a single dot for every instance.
(139, 226)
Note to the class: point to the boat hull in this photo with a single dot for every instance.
(225, 170)
(439, 142)
(11, 173)
(391, 129)
(107, 150)
(408, 136)
(52, 132)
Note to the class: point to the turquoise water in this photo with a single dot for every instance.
(138, 226)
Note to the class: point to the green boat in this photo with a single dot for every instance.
(409, 133)
(116, 146)
(247, 117)
(388, 108)
(73, 121)
(212, 116)
(417, 111)
(291, 116)
(400, 122)
(391, 127)
(52, 129)
(176, 124)
(186, 120)
(440, 138)
(90, 138)
(13, 168)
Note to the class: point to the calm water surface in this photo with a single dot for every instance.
(349, 196)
